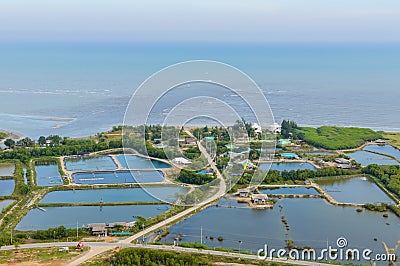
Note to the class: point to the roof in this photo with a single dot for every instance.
(181, 160)
(259, 196)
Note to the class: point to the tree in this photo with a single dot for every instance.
(42, 140)
(10, 143)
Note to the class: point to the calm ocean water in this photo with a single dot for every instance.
(78, 89)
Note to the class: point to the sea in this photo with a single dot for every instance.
(78, 89)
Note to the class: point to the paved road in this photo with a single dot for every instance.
(99, 247)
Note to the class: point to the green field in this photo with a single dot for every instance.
(393, 138)
(3, 135)
(337, 138)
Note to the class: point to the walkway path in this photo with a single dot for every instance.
(97, 248)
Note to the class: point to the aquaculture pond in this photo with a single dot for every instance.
(288, 166)
(137, 162)
(312, 223)
(148, 194)
(365, 158)
(48, 175)
(384, 149)
(90, 163)
(289, 191)
(355, 190)
(5, 204)
(37, 219)
(7, 169)
(7, 187)
(118, 177)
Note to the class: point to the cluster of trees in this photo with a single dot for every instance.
(58, 233)
(288, 129)
(335, 138)
(389, 175)
(219, 133)
(191, 177)
(275, 176)
(70, 147)
(148, 257)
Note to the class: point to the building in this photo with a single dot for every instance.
(289, 155)
(257, 128)
(243, 192)
(181, 160)
(191, 141)
(98, 229)
(259, 199)
(342, 161)
(276, 128)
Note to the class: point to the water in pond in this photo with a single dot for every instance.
(7, 187)
(5, 204)
(68, 216)
(137, 162)
(7, 169)
(312, 222)
(290, 190)
(355, 190)
(118, 177)
(48, 175)
(288, 166)
(114, 195)
(90, 163)
(365, 158)
(384, 149)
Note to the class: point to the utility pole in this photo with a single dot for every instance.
(143, 232)
(201, 235)
(77, 232)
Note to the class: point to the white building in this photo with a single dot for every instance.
(181, 160)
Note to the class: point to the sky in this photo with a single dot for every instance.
(201, 21)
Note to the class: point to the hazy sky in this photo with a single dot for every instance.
(204, 20)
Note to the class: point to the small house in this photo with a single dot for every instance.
(243, 193)
(181, 161)
(191, 141)
(259, 199)
(98, 229)
(342, 161)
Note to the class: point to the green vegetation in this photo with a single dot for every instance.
(3, 135)
(26, 149)
(37, 255)
(191, 177)
(388, 175)
(393, 138)
(146, 257)
(277, 177)
(335, 138)
(139, 256)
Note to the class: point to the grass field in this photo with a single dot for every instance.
(3, 135)
(393, 138)
(39, 255)
(336, 138)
